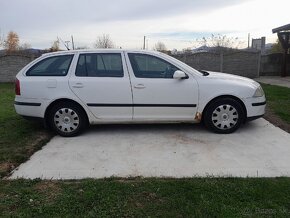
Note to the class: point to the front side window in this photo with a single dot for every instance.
(147, 66)
(100, 65)
(51, 66)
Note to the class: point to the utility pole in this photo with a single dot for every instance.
(248, 40)
(72, 42)
(144, 42)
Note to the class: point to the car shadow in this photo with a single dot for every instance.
(147, 127)
(168, 127)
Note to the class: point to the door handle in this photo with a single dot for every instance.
(139, 86)
(78, 85)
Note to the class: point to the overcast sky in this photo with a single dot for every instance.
(177, 23)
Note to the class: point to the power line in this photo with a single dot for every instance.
(64, 43)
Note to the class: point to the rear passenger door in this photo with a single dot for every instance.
(101, 81)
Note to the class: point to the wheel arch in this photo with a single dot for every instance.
(226, 96)
(62, 100)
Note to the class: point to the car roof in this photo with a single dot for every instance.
(99, 51)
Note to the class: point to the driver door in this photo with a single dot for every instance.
(156, 94)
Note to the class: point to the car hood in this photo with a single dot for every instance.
(232, 78)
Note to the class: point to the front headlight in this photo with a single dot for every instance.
(259, 92)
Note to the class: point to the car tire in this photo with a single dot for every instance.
(224, 115)
(67, 119)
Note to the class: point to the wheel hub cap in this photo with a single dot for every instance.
(66, 120)
(225, 117)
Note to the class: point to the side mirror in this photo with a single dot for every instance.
(180, 75)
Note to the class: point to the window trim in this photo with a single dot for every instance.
(47, 58)
(150, 55)
(97, 53)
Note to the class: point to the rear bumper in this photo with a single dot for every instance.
(29, 109)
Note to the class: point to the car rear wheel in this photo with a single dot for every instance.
(224, 115)
(67, 119)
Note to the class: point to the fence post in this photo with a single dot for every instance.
(259, 63)
(221, 62)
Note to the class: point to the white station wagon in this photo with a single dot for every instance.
(71, 89)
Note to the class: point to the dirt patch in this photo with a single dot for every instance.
(133, 180)
(37, 142)
(182, 139)
(48, 188)
(6, 167)
(276, 120)
(143, 198)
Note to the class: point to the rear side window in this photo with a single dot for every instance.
(147, 66)
(52, 66)
(100, 65)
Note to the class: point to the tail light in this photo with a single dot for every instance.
(17, 87)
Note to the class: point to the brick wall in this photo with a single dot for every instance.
(10, 65)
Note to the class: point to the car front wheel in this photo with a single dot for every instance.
(224, 115)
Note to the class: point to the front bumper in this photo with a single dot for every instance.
(255, 107)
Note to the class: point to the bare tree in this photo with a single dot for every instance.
(220, 42)
(55, 46)
(186, 50)
(104, 41)
(12, 42)
(1, 40)
(24, 46)
(160, 46)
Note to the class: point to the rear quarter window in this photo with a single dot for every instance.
(51, 66)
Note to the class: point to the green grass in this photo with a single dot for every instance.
(196, 197)
(147, 197)
(18, 138)
(278, 99)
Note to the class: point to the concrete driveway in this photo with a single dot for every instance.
(258, 149)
